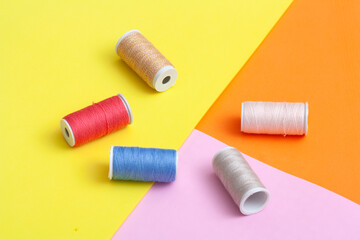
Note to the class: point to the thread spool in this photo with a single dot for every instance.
(245, 188)
(137, 52)
(143, 164)
(96, 120)
(274, 118)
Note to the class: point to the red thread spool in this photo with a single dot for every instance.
(96, 121)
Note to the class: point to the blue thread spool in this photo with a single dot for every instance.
(143, 164)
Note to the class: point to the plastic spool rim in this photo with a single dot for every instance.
(176, 163)
(111, 163)
(167, 71)
(306, 117)
(256, 205)
(123, 37)
(127, 107)
(242, 116)
(64, 125)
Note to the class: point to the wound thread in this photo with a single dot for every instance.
(274, 118)
(96, 120)
(142, 164)
(141, 56)
(245, 188)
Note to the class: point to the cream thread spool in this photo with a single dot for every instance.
(141, 55)
(282, 118)
(244, 186)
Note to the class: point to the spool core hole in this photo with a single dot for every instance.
(67, 132)
(166, 80)
(255, 202)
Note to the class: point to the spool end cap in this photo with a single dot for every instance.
(67, 132)
(254, 200)
(165, 78)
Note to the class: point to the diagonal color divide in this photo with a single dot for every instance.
(58, 56)
(312, 55)
(196, 205)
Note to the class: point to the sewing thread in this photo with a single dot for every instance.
(274, 118)
(240, 181)
(141, 55)
(96, 120)
(142, 164)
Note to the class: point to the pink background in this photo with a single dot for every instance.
(196, 206)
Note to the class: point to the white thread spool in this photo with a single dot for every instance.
(274, 118)
(240, 181)
(141, 55)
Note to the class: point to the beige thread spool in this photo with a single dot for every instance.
(141, 55)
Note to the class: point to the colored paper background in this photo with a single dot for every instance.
(58, 56)
(197, 206)
(313, 55)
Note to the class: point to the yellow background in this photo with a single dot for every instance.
(58, 56)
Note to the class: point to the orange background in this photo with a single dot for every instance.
(313, 55)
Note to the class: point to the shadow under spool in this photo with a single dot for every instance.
(141, 55)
